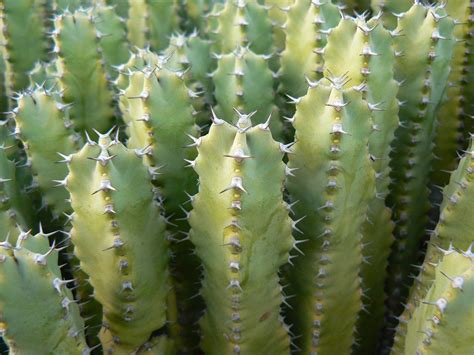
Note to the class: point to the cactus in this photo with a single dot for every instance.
(455, 110)
(369, 67)
(49, 320)
(108, 181)
(23, 30)
(16, 207)
(111, 32)
(230, 236)
(307, 26)
(191, 230)
(81, 73)
(452, 231)
(152, 98)
(391, 10)
(244, 82)
(45, 131)
(440, 323)
(151, 22)
(422, 69)
(329, 191)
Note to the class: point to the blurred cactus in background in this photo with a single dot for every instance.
(236, 177)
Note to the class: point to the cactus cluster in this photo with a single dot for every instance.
(236, 177)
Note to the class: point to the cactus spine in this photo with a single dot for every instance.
(243, 240)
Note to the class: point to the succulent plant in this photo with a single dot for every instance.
(236, 177)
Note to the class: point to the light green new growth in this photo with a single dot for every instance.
(24, 28)
(242, 233)
(307, 26)
(243, 81)
(37, 312)
(369, 67)
(423, 45)
(45, 130)
(331, 190)
(117, 229)
(82, 75)
(454, 230)
(442, 321)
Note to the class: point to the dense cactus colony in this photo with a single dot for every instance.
(236, 177)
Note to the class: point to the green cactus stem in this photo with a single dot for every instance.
(112, 34)
(160, 118)
(331, 189)
(369, 67)
(82, 75)
(109, 185)
(37, 312)
(244, 81)
(453, 231)
(242, 233)
(423, 45)
(455, 112)
(307, 26)
(45, 130)
(26, 42)
(442, 321)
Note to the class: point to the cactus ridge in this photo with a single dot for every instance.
(235, 243)
(112, 34)
(16, 207)
(151, 23)
(241, 23)
(152, 98)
